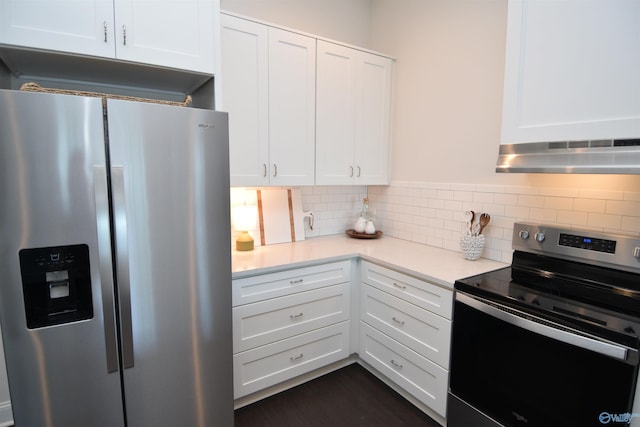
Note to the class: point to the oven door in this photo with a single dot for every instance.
(510, 368)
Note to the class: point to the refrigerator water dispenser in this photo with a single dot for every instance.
(56, 284)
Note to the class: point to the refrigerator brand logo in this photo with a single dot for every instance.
(206, 126)
(606, 418)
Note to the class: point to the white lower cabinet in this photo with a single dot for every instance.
(267, 321)
(268, 365)
(405, 332)
(288, 323)
(416, 374)
(292, 322)
(416, 328)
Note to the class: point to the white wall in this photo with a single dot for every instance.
(347, 21)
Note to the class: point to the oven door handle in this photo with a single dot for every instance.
(546, 328)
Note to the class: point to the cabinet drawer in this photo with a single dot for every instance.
(422, 378)
(272, 285)
(278, 318)
(420, 330)
(271, 364)
(423, 294)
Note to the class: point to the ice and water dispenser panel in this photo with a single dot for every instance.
(56, 283)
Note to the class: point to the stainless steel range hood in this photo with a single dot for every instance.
(612, 156)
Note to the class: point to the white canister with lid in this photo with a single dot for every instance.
(370, 228)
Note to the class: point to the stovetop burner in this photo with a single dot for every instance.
(584, 280)
(598, 320)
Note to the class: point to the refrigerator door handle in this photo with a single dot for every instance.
(122, 262)
(106, 272)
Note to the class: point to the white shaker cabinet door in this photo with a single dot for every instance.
(372, 120)
(336, 114)
(76, 26)
(353, 114)
(175, 34)
(292, 100)
(245, 96)
(571, 70)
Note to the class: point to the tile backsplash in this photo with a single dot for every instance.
(335, 208)
(432, 213)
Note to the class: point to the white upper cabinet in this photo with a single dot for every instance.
(572, 70)
(268, 84)
(76, 26)
(292, 107)
(245, 62)
(176, 34)
(352, 117)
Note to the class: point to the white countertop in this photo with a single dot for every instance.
(429, 263)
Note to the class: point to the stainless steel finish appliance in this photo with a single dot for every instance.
(610, 156)
(552, 340)
(115, 296)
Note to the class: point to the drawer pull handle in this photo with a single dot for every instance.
(396, 364)
(295, 316)
(296, 358)
(294, 282)
(399, 322)
(399, 286)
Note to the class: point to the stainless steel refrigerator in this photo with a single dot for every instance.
(115, 264)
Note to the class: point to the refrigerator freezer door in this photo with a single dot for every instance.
(170, 177)
(51, 155)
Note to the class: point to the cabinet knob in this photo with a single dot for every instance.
(359, 171)
(264, 170)
(124, 35)
(275, 170)
(104, 26)
(351, 172)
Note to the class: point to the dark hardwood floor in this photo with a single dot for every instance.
(350, 396)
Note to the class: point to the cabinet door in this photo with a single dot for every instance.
(572, 70)
(292, 85)
(372, 120)
(336, 114)
(245, 61)
(353, 113)
(77, 26)
(176, 34)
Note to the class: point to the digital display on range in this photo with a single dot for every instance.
(588, 243)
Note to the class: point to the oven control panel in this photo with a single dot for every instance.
(612, 250)
(588, 243)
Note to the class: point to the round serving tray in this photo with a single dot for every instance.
(352, 233)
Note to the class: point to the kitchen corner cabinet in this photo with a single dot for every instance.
(405, 332)
(352, 116)
(288, 323)
(268, 84)
(571, 70)
(160, 32)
